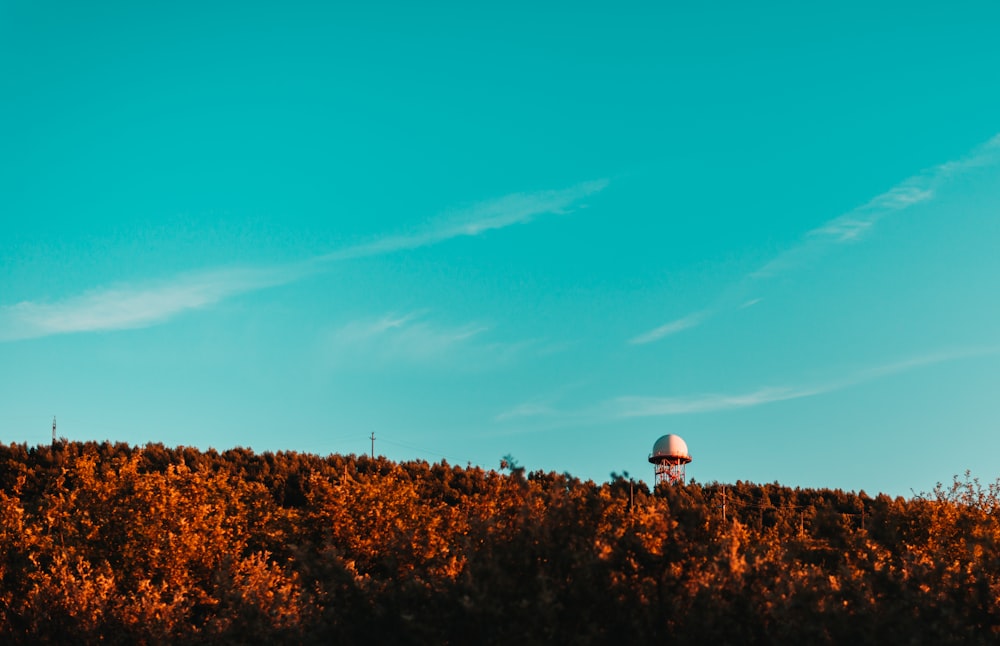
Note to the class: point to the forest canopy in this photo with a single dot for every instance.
(116, 543)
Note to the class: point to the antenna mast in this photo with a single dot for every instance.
(53, 430)
(373, 445)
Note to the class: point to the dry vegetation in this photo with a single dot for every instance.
(102, 542)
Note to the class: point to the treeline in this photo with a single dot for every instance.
(114, 543)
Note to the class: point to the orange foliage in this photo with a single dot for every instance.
(151, 545)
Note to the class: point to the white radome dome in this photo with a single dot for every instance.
(670, 446)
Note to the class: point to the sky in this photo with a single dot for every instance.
(554, 231)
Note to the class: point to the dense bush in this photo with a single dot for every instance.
(108, 542)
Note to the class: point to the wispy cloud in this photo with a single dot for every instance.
(919, 361)
(417, 338)
(517, 208)
(128, 307)
(859, 222)
(633, 406)
(408, 337)
(673, 327)
(855, 224)
(849, 227)
(152, 303)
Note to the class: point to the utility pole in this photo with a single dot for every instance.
(53, 431)
(373, 445)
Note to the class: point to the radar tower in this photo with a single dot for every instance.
(669, 457)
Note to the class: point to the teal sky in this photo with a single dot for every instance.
(554, 232)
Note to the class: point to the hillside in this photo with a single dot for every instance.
(151, 544)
